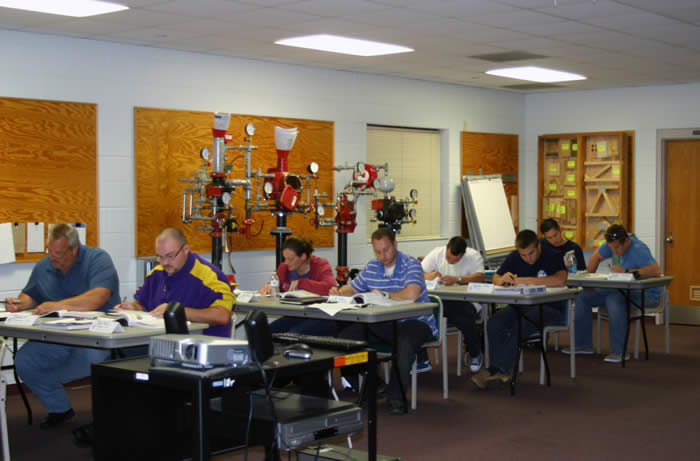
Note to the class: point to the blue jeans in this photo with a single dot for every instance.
(45, 368)
(316, 327)
(614, 302)
(503, 331)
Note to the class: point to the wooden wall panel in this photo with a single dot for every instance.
(49, 164)
(492, 153)
(166, 148)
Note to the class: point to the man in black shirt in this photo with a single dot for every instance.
(555, 240)
(532, 264)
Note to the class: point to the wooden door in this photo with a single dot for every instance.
(682, 255)
(492, 153)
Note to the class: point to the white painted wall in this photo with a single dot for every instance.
(118, 77)
(643, 109)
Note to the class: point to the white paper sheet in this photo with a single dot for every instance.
(7, 243)
(35, 237)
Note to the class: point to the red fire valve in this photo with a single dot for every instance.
(288, 198)
(213, 191)
(378, 204)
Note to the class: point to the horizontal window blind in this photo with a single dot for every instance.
(413, 156)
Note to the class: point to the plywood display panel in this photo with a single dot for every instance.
(492, 153)
(166, 148)
(49, 164)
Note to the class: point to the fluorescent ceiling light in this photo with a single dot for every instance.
(344, 45)
(76, 8)
(536, 74)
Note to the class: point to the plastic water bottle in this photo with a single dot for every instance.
(275, 285)
(570, 260)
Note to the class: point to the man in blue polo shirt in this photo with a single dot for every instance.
(629, 254)
(399, 276)
(72, 277)
(531, 263)
(185, 277)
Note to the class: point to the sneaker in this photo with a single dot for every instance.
(616, 358)
(475, 363)
(422, 367)
(579, 350)
(484, 378)
(397, 407)
(56, 419)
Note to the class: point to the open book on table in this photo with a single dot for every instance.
(75, 314)
(138, 319)
(371, 298)
(67, 323)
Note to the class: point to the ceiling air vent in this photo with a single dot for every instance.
(507, 56)
(694, 293)
(532, 86)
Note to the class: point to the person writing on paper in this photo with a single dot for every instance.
(555, 240)
(185, 277)
(456, 264)
(629, 254)
(401, 277)
(301, 270)
(73, 277)
(533, 264)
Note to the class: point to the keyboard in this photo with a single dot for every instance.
(323, 342)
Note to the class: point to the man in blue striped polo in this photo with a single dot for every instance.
(400, 277)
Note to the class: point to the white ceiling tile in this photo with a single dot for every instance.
(556, 29)
(203, 8)
(517, 18)
(586, 10)
(336, 8)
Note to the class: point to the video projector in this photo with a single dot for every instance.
(199, 351)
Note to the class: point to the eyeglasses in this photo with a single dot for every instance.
(170, 257)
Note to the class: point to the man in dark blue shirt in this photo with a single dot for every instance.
(555, 240)
(72, 277)
(531, 264)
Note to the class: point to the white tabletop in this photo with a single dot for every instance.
(369, 314)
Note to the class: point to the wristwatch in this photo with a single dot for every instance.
(459, 280)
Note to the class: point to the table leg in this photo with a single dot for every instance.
(627, 331)
(19, 383)
(514, 377)
(395, 362)
(644, 329)
(200, 407)
(543, 348)
(372, 406)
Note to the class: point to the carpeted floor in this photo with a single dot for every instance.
(648, 411)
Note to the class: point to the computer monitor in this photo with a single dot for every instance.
(175, 320)
(259, 337)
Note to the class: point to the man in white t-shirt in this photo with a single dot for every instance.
(456, 264)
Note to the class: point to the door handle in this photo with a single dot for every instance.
(669, 239)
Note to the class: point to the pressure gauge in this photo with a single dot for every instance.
(312, 168)
(268, 187)
(320, 210)
(226, 197)
(412, 213)
(249, 129)
(204, 153)
(413, 194)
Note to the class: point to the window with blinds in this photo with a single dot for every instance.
(413, 156)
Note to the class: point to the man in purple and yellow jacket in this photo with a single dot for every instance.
(185, 277)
